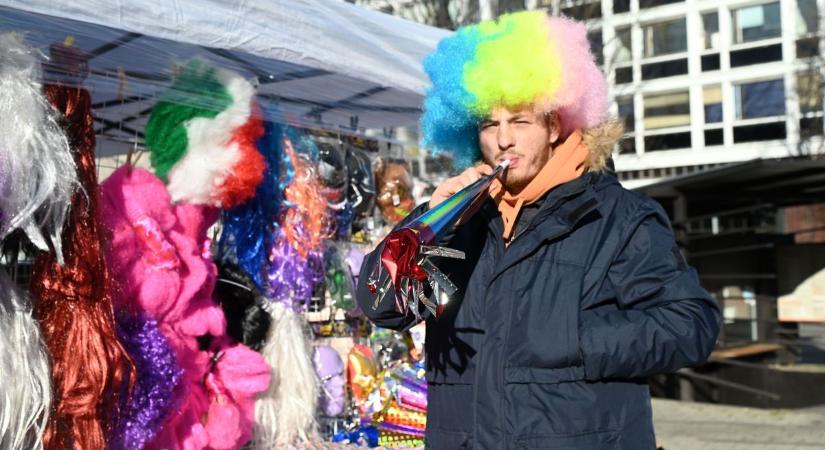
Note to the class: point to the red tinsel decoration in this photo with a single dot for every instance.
(91, 371)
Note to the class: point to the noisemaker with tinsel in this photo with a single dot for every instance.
(407, 250)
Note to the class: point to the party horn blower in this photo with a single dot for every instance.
(406, 252)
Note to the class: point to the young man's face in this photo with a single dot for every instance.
(521, 135)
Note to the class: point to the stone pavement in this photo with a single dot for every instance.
(703, 426)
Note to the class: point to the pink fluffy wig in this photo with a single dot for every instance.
(160, 252)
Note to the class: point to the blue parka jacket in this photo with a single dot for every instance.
(549, 341)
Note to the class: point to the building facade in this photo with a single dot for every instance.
(698, 83)
(702, 83)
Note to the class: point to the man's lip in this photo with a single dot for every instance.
(513, 160)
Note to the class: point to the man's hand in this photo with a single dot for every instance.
(457, 183)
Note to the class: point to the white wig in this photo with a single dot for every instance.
(25, 392)
(285, 413)
(37, 170)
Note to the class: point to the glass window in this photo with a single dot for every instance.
(652, 3)
(760, 99)
(620, 6)
(665, 38)
(809, 87)
(758, 22)
(807, 17)
(626, 112)
(713, 103)
(624, 45)
(596, 45)
(667, 110)
(579, 10)
(710, 25)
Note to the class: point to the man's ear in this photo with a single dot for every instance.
(555, 128)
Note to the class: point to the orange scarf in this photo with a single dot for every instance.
(566, 164)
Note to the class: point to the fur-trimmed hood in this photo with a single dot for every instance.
(600, 140)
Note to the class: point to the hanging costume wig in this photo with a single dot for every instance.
(523, 58)
(247, 321)
(37, 178)
(38, 171)
(90, 368)
(160, 252)
(158, 374)
(285, 413)
(247, 229)
(296, 256)
(202, 136)
(25, 393)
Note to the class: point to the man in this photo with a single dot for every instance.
(573, 290)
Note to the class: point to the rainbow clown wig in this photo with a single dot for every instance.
(523, 58)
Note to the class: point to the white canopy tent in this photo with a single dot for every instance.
(326, 63)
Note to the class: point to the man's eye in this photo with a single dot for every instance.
(485, 126)
(523, 122)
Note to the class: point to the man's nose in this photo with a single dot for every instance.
(505, 137)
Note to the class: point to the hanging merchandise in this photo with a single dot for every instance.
(247, 321)
(202, 135)
(24, 367)
(338, 278)
(392, 396)
(67, 64)
(334, 177)
(363, 436)
(402, 417)
(418, 335)
(361, 192)
(354, 258)
(288, 216)
(405, 421)
(285, 413)
(160, 253)
(38, 174)
(330, 370)
(37, 179)
(246, 236)
(296, 260)
(362, 378)
(158, 374)
(394, 184)
(90, 368)
(389, 346)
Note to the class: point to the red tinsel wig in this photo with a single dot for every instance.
(91, 371)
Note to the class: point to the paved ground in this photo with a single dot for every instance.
(701, 426)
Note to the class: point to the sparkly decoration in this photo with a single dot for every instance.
(405, 252)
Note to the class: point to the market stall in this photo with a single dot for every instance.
(201, 295)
